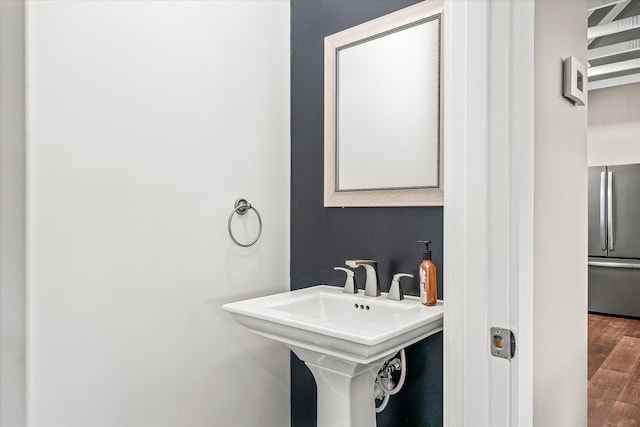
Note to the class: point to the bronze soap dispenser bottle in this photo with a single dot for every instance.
(428, 277)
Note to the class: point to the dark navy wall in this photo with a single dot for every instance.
(322, 238)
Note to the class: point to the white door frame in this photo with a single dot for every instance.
(12, 215)
(488, 213)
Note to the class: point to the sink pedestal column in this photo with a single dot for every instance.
(344, 388)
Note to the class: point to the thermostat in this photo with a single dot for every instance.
(575, 81)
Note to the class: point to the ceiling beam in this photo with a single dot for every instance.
(614, 67)
(611, 15)
(614, 49)
(614, 81)
(614, 27)
(614, 12)
(599, 4)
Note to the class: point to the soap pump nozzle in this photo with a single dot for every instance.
(427, 252)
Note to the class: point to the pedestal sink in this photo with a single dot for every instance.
(343, 338)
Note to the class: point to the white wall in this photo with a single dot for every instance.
(12, 215)
(560, 222)
(614, 125)
(146, 120)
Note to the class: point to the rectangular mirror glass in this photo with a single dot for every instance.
(383, 142)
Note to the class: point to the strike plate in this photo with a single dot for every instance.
(503, 343)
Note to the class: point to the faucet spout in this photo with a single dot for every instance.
(372, 284)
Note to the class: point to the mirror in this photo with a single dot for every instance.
(383, 138)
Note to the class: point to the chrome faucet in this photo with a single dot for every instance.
(372, 284)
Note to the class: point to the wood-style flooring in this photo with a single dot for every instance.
(614, 371)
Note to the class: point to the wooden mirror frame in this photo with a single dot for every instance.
(388, 197)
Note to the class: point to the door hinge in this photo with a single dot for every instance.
(503, 343)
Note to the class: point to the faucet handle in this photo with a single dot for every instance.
(395, 292)
(350, 286)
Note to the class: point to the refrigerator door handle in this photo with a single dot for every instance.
(610, 209)
(613, 264)
(603, 240)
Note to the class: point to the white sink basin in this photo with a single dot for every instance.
(343, 339)
(352, 327)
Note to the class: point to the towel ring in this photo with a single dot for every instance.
(241, 207)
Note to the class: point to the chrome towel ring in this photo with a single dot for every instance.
(241, 207)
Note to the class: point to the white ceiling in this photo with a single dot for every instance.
(614, 42)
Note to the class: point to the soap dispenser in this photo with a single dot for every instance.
(428, 277)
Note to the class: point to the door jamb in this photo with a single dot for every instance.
(471, 59)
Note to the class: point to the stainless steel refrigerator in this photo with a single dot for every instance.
(614, 239)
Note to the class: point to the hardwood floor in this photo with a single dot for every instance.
(614, 371)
